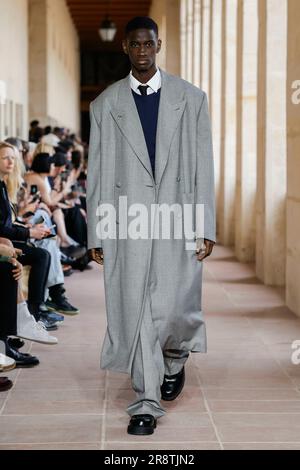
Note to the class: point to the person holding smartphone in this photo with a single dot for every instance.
(37, 258)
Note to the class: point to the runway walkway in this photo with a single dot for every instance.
(243, 394)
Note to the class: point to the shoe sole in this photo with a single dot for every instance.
(137, 431)
(25, 366)
(140, 432)
(36, 341)
(5, 389)
(63, 312)
(7, 368)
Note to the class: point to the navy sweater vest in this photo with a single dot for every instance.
(147, 107)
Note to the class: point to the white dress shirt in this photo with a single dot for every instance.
(154, 83)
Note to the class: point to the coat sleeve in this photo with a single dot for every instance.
(14, 232)
(205, 187)
(11, 231)
(93, 181)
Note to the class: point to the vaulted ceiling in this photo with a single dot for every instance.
(88, 15)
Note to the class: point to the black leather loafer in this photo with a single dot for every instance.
(22, 360)
(141, 425)
(172, 386)
(5, 384)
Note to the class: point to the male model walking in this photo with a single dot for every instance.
(151, 145)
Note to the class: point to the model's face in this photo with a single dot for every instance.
(7, 161)
(141, 46)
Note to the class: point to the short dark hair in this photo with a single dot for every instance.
(41, 163)
(76, 159)
(59, 159)
(15, 141)
(141, 22)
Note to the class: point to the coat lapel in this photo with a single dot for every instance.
(126, 116)
(171, 108)
(127, 119)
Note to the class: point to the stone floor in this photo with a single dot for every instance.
(243, 394)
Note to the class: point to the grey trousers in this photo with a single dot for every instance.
(149, 366)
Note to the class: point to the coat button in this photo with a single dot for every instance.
(118, 184)
(178, 178)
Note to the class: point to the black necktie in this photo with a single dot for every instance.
(143, 89)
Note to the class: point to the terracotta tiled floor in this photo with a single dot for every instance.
(243, 394)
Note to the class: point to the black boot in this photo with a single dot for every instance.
(58, 301)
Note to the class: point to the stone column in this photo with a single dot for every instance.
(216, 88)
(166, 13)
(54, 71)
(205, 49)
(246, 130)
(158, 13)
(293, 160)
(38, 60)
(183, 38)
(228, 124)
(271, 149)
(189, 40)
(197, 42)
(173, 37)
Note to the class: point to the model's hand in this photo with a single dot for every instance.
(96, 254)
(206, 251)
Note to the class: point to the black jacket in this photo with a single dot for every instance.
(7, 228)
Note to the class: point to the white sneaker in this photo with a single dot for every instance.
(28, 328)
(6, 363)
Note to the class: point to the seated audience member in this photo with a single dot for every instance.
(47, 130)
(74, 213)
(35, 132)
(53, 138)
(28, 151)
(55, 280)
(11, 272)
(43, 148)
(26, 326)
(8, 317)
(38, 176)
(37, 258)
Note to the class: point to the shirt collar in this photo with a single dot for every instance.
(154, 83)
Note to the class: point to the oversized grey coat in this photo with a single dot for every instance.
(163, 270)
